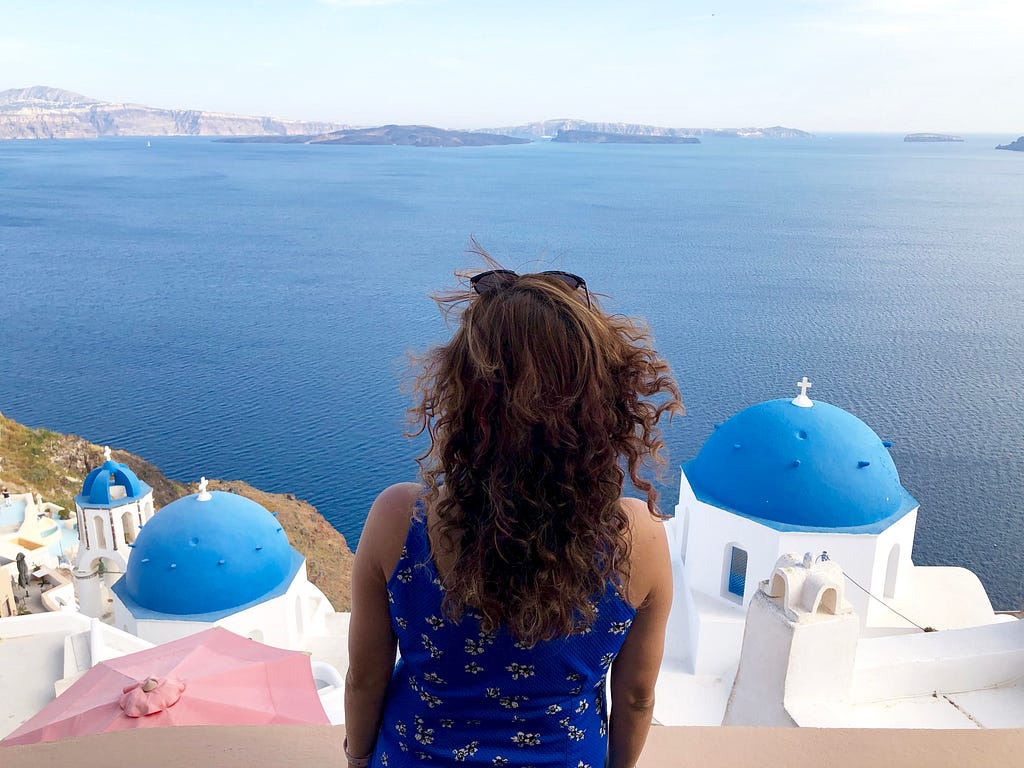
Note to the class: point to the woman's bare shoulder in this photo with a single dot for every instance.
(649, 556)
(640, 518)
(397, 499)
(387, 524)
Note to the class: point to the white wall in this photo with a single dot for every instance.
(711, 534)
(953, 660)
(43, 623)
(285, 621)
(703, 535)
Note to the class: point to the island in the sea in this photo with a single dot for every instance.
(547, 129)
(42, 112)
(1014, 146)
(389, 135)
(605, 137)
(932, 137)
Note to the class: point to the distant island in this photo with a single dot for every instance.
(1014, 146)
(603, 137)
(390, 135)
(41, 112)
(546, 129)
(931, 137)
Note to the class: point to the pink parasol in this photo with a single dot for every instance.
(214, 677)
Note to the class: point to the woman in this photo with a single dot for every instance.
(517, 575)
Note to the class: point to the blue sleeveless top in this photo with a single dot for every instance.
(462, 695)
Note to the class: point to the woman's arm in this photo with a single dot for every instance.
(635, 670)
(371, 642)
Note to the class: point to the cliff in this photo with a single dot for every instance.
(549, 128)
(41, 112)
(54, 465)
(1014, 146)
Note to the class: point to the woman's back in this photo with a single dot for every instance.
(501, 601)
(460, 694)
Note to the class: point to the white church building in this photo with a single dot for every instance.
(799, 502)
(112, 508)
(217, 558)
(209, 558)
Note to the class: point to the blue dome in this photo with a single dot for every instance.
(205, 557)
(96, 490)
(794, 468)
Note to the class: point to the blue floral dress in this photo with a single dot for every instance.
(462, 695)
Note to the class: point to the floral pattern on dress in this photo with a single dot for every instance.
(460, 695)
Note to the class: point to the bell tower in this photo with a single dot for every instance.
(112, 507)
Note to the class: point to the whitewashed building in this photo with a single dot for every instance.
(794, 476)
(217, 558)
(112, 508)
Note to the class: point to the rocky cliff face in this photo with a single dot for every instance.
(54, 465)
(51, 113)
(1015, 146)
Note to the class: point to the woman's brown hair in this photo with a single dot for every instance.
(536, 410)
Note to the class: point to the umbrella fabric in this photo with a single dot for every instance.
(224, 679)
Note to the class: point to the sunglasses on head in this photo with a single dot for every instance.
(489, 282)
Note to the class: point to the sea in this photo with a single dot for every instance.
(254, 311)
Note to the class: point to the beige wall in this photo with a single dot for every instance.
(8, 606)
(308, 746)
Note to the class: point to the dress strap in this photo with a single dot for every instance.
(417, 544)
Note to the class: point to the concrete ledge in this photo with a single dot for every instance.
(280, 746)
(292, 746)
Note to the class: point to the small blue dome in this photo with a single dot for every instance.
(96, 490)
(203, 557)
(796, 468)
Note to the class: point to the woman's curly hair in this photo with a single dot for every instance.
(536, 410)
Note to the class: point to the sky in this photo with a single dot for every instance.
(821, 65)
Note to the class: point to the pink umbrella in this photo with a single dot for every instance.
(214, 677)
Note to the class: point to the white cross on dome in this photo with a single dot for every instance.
(802, 400)
(204, 495)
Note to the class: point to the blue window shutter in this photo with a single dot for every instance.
(738, 571)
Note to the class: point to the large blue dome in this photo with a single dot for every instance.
(209, 556)
(98, 487)
(800, 468)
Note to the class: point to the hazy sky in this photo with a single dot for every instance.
(857, 65)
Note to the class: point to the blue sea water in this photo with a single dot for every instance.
(246, 311)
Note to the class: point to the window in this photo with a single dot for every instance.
(891, 572)
(737, 571)
(128, 525)
(101, 536)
